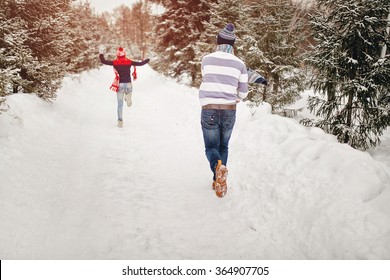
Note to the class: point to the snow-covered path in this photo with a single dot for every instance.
(75, 186)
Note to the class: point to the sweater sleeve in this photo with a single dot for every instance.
(243, 84)
(140, 63)
(104, 61)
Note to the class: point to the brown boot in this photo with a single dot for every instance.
(220, 185)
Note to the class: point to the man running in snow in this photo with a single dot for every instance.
(122, 82)
(225, 82)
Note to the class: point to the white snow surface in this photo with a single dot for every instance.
(75, 186)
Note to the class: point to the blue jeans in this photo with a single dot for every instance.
(217, 127)
(124, 88)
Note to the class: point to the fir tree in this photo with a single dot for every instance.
(84, 31)
(14, 54)
(142, 26)
(132, 27)
(42, 41)
(217, 14)
(123, 26)
(178, 30)
(350, 75)
(40, 45)
(274, 32)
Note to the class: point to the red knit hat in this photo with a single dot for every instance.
(120, 52)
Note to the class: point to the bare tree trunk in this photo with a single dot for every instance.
(349, 115)
(15, 88)
(264, 93)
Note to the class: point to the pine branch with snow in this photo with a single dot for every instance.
(271, 42)
(352, 78)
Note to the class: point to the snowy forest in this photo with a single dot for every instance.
(338, 48)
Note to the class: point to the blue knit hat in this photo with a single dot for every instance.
(226, 35)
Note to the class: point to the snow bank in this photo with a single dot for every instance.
(75, 186)
(305, 192)
(315, 153)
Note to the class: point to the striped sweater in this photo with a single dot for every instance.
(225, 78)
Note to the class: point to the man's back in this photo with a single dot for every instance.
(223, 75)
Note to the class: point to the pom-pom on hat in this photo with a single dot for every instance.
(226, 35)
(120, 52)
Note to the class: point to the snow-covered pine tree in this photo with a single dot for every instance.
(253, 56)
(274, 32)
(351, 77)
(217, 14)
(14, 55)
(45, 22)
(132, 26)
(142, 18)
(178, 29)
(123, 26)
(34, 53)
(41, 41)
(83, 33)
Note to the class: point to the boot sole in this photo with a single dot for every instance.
(220, 182)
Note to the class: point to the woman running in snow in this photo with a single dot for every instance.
(122, 82)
